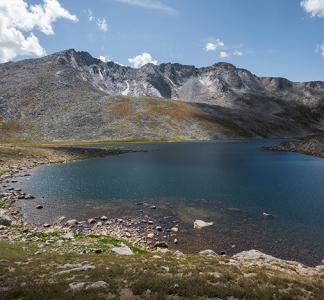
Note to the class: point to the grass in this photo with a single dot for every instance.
(29, 276)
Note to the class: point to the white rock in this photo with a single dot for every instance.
(150, 235)
(199, 224)
(208, 252)
(68, 236)
(174, 229)
(122, 250)
(80, 286)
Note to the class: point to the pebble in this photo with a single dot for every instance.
(158, 228)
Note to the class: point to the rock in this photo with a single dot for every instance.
(91, 221)
(71, 222)
(158, 228)
(199, 224)
(161, 245)
(208, 252)
(39, 206)
(46, 225)
(68, 236)
(124, 250)
(80, 286)
(267, 215)
(82, 268)
(174, 229)
(178, 253)
(4, 218)
(175, 241)
(29, 196)
(152, 207)
(233, 209)
(103, 218)
(150, 235)
(61, 219)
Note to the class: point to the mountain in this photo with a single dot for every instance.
(70, 95)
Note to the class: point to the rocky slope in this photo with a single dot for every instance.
(72, 96)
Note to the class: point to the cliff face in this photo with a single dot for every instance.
(71, 95)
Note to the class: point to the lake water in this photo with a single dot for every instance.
(198, 180)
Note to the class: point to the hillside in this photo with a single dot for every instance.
(72, 96)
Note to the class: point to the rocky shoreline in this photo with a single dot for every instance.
(310, 145)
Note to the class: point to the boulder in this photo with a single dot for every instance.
(71, 222)
(80, 286)
(4, 218)
(208, 252)
(124, 250)
(199, 224)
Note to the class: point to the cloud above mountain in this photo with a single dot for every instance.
(18, 20)
(141, 60)
(214, 45)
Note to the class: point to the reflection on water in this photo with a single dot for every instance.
(198, 180)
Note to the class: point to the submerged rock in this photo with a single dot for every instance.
(199, 224)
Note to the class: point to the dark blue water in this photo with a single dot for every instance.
(200, 179)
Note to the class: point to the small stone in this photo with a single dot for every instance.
(152, 207)
(91, 221)
(120, 220)
(150, 235)
(103, 218)
(46, 225)
(158, 228)
(150, 222)
(39, 206)
(175, 241)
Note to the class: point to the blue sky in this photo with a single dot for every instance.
(270, 38)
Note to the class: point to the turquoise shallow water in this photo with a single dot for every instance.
(199, 180)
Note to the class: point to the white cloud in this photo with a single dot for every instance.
(313, 7)
(320, 49)
(149, 4)
(224, 54)
(237, 53)
(100, 22)
(17, 21)
(141, 60)
(212, 46)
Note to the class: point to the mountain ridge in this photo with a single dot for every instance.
(72, 95)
